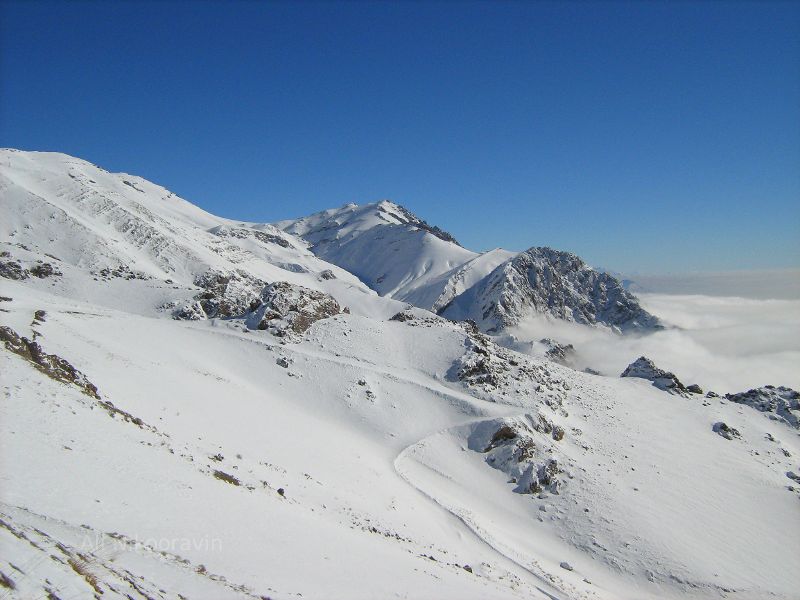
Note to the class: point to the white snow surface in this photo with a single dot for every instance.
(386, 247)
(376, 444)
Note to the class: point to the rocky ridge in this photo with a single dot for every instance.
(780, 403)
(546, 281)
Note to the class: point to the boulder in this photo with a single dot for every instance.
(644, 368)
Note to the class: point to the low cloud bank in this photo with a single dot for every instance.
(723, 344)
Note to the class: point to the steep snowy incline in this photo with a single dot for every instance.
(547, 281)
(95, 226)
(440, 291)
(400, 256)
(388, 248)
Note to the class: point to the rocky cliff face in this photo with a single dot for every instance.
(547, 281)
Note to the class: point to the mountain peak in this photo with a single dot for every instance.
(553, 282)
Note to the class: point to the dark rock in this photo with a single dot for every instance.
(547, 281)
(13, 270)
(694, 389)
(222, 476)
(44, 270)
(780, 403)
(644, 368)
(726, 431)
(53, 366)
(402, 317)
(224, 295)
(287, 308)
(559, 353)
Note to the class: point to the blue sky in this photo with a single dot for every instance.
(644, 136)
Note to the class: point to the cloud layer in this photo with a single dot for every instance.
(724, 344)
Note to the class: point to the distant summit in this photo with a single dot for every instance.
(389, 248)
(546, 281)
(399, 255)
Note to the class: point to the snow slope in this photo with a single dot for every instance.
(366, 458)
(84, 219)
(388, 248)
(402, 257)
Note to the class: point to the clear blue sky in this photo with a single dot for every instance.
(644, 136)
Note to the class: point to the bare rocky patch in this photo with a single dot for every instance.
(286, 309)
(223, 295)
(53, 366)
(498, 373)
(779, 403)
(524, 449)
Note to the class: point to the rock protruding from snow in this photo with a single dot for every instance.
(726, 431)
(14, 269)
(523, 448)
(266, 235)
(286, 308)
(224, 295)
(781, 403)
(53, 366)
(644, 368)
(494, 371)
(555, 283)
(559, 353)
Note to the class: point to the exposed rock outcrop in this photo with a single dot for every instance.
(51, 365)
(780, 403)
(559, 284)
(267, 235)
(523, 448)
(13, 269)
(224, 295)
(562, 354)
(492, 371)
(285, 308)
(644, 368)
(726, 431)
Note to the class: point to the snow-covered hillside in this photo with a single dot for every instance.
(391, 250)
(400, 256)
(200, 408)
(110, 227)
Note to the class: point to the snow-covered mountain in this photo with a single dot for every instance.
(391, 250)
(195, 407)
(400, 256)
(117, 226)
(546, 281)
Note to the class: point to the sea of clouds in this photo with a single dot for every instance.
(723, 343)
